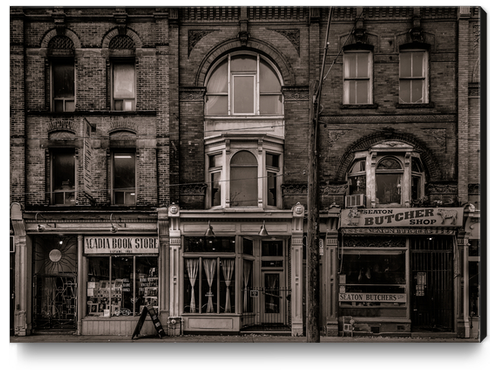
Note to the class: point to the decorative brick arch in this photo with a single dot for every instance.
(121, 31)
(64, 32)
(252, 45)
(428, 158)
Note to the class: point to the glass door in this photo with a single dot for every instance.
(272, 298)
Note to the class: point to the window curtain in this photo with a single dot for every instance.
(209, 269)
(246, 277)
(192, 270)
(227, 267)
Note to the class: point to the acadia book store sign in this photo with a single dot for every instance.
(124, 244)
(402, 217)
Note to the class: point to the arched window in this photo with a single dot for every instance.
(389, 174)
(244, 84)
(243, 180)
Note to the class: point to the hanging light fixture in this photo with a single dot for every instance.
(115, 228)
(263, 231)
(42, 227)
(209, 230)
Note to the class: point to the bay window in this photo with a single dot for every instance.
(387, 175)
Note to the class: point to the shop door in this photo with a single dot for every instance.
(55, 283)
(432, 301)
(272, 298)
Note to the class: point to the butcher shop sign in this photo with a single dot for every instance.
(402, 217)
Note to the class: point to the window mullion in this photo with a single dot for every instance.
(257, 88)
(229, 85)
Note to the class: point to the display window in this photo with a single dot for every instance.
(121, 285)
(373, 279)
(209, 275)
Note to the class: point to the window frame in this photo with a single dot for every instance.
(372, 159)
(64, 100)
(120, 62)
(257, 94)
(424, 77)
(347, 80)
(115, 152)
(52, 173)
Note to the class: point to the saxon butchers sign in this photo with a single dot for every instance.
(373, 297)
(121, 244)
(398, 217)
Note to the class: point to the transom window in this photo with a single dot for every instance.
(244, 85)
(357, 77)
(413, 76)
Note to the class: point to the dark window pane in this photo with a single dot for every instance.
(243, 64)
(388, 188)
(357, 184)
(63, 176)
(244, 158)
(124, 175)
(416, 181)
(192, 285)
(146, 283)
(243, 98)
(215, 244)
(271, 189)
(63, 80)
(272, 160)
(122, 292)
(272, 294)
(270, 104)
(248, 247)
(374, 269)
(272, 248)
(215, 189)
(243, 186)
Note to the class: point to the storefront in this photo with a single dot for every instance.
(396, 272)
(236, 272)
(122, 277)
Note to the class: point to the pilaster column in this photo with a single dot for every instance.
(175, 253)
(297, 270)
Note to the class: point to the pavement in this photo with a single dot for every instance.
(242, 338)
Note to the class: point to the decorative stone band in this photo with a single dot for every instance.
(194, 94)
(295, 93)
(398, 231)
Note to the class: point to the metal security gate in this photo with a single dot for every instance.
(432, 290)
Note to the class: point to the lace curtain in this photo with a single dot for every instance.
(192, 270)
(227, 267)
(209, 269)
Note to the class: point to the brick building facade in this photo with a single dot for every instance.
(159, 156)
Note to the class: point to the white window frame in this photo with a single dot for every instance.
(256, 93)
(423, 77)
(373, 157)
(220, 147)
(369, 78)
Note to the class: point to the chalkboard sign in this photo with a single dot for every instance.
(154, 318)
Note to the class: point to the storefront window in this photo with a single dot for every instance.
(209, 280)
(373, 279)
(121, 285)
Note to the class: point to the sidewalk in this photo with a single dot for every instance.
(246, 338)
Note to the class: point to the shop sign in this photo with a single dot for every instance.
(117, 245)
(373, 297)
(402, 217)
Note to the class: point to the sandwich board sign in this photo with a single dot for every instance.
(154, 318)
